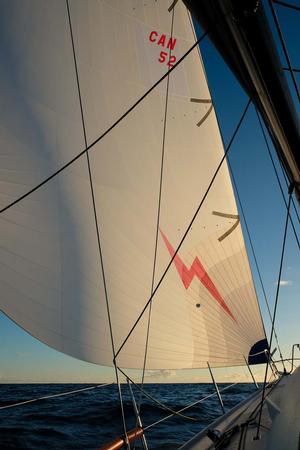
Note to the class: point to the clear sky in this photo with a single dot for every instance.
(24, 359)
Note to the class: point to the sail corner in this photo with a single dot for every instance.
(258, 352)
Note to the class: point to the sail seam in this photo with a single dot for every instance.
(241, 312)
(158, 212)
(107, 131)
(226, 282)
(234, 274)
(188, 228)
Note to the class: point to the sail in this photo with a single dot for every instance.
(81, 256)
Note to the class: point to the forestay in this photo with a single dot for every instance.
(52, 282)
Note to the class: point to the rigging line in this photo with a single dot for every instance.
(287, 5)
(189, 226)
(158, 212)
(236, 337)
(210, 312)
(231, 274)
(96, 224)
(251, 242)
(213, 306)
(188, 406)
(277, 176)
(294, 205)
(254, 254)
(234, 275)
(160, 404)
(55, 395)
(284, 48)
(287, 185)
(108, 130)
(272, 385)
(193, 30)
(211, 245)
(244, 425)
(275, 308)
(249, 421)
(252, 417)
(294, 70)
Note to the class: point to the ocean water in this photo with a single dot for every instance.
(89, 419)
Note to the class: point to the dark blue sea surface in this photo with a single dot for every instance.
(89, 419)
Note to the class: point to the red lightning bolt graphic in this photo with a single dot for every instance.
(197, 270)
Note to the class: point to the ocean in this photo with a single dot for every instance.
(89, 419)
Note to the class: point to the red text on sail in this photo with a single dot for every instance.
(168, 43)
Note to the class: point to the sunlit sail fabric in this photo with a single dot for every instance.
(53, 282)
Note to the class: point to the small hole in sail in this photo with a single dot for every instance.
(198, 305)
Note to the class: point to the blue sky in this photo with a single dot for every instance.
(24, 359)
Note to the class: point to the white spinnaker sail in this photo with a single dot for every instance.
(52, 282)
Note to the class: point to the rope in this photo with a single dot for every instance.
(107, 131)
(160, 404)
(45, 397)
(289, 68)
(287, 182)
(187, 407)
(287, 185)
(259, 353)
(294, 70)
(287, 5)
(255, 259)
(275, 308)
(96, 223)
(249, 234)
(188, 228)
(158, 218)
(244, 426)
(277, 176)
(287, 359)
(284, 49)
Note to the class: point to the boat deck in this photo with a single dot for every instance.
(278, 430)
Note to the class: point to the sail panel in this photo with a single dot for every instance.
(56, 283)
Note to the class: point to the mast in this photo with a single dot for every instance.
(241, 33)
